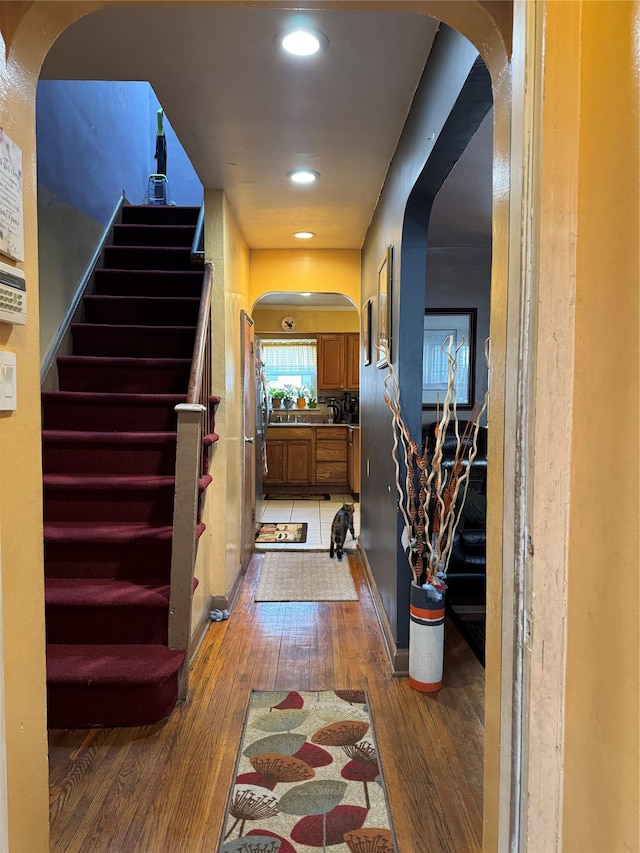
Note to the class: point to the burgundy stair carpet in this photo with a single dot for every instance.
(109, 445)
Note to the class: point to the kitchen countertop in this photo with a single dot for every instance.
(309, 424)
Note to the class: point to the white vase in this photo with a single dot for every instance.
(426, 641)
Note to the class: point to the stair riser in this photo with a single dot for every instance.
(112, 417)
(159, 215)
(107, 625)
(145, 283)
(157, 235)
(123, 257)
(123, 311)
(132, 342)
(124, 380)
(121, 562)
(77, 505)
(79, 707)
(117, 460)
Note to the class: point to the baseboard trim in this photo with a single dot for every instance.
(214, 602)
(228, 601)
(398, 658)
(199, 631)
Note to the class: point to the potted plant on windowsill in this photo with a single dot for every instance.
(431, 498)
(288, 396)
(313, 400)
(301, 396)
(277, 396)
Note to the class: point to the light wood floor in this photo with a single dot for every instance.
(163, 788)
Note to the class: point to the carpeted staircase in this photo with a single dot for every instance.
(109, 448)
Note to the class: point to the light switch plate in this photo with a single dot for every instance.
(8, 396)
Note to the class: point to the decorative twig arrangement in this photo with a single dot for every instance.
(432, 496)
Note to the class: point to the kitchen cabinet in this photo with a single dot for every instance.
(290, 456)
(307, 455)
(353, 459)
(331, 456)
(339, 362)
(353, 362)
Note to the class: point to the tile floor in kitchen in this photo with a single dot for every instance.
(318, 516)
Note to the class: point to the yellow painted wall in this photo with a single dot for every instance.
(294, 270)
(21, 481)
(602, 747)
(268, 320)
(219, 555)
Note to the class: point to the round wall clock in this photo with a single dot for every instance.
(288, 324)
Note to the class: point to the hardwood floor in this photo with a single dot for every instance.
(163, 788)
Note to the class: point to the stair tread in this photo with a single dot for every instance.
(132, 326)
(109, 481)
(116, 481)
(102, 297)
(115, 397)
(119, 360)
(114, 271)
(92, 532)
(106, 592)
(118, 437)
(111, 664)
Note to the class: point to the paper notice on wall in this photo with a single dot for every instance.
(11, 220)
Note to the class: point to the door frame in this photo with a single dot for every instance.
(247, 373)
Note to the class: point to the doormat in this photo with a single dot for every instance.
(304, 576)
(285, 496)
(308, 777)
(470, 620)
(282, 532)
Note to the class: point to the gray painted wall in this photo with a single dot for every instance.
(95, 140)
(448, 66)
(461, 278)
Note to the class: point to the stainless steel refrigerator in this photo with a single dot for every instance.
(262, 418)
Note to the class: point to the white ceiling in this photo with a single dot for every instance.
(246, 113)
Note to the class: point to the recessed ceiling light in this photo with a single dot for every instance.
(302, 42)
(304, 235)
(303, 176)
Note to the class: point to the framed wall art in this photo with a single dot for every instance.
(439, 326)
(384, 308)
(366, 332)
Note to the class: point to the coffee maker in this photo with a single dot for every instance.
(350, 413)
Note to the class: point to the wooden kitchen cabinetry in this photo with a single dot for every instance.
(331, 456)
(290, 457)
(302, 456)
(353, 459)
(339, 362)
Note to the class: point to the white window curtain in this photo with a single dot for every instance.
(297, 356)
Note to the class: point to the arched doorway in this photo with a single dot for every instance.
(309, 347)
(485, 29)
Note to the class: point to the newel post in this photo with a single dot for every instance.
(185, 519)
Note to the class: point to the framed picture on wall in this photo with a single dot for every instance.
(384, 308)
(366, 332)
(439, 326)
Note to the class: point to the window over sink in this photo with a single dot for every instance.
(290, 362)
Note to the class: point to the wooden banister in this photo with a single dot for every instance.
(193, 423)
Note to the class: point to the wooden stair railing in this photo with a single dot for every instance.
(194, 420)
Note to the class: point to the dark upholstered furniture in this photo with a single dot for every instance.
(467, 567)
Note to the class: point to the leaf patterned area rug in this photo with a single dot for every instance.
(308, 778)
